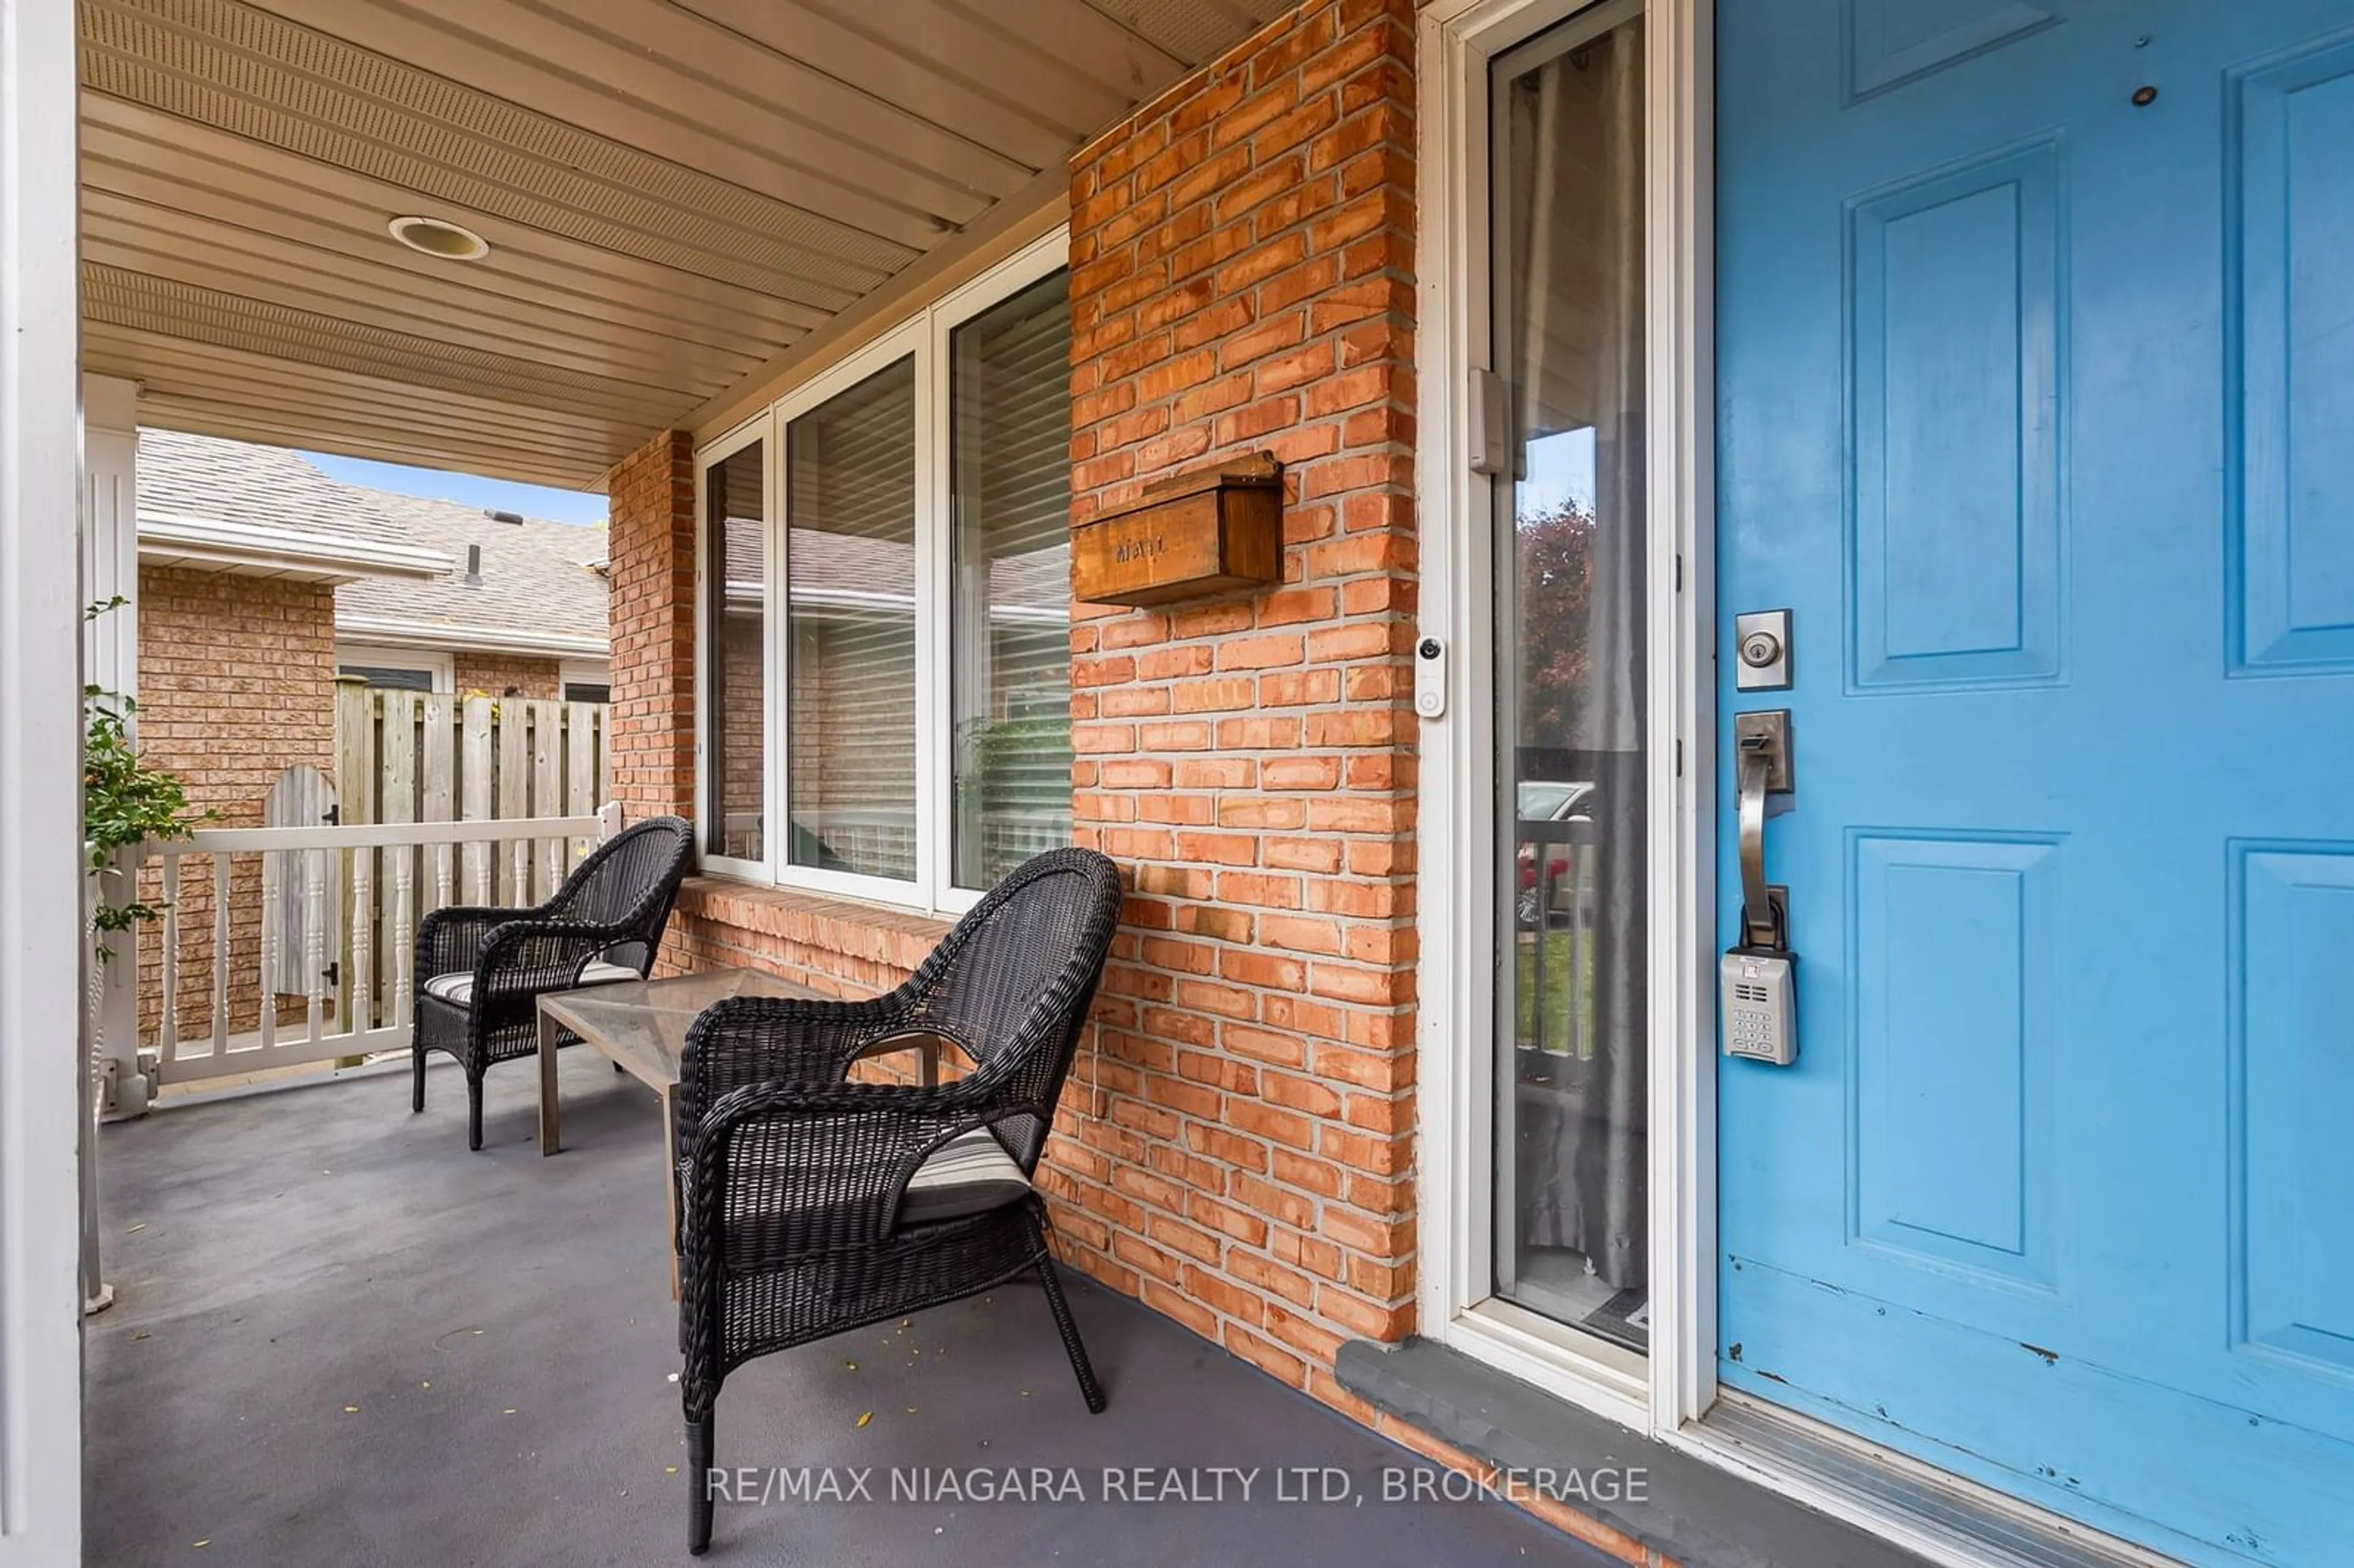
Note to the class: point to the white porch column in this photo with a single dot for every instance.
(41, 947)
(110, 456)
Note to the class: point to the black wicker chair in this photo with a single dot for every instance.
(811, 1205)
(480, 972)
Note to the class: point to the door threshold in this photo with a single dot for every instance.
(1947, 1518)
(1748, 1486)
(1689, 1508)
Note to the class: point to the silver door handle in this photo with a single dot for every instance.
(1754, 899)
(1763, 768)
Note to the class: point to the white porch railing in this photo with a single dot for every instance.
(360, 1013)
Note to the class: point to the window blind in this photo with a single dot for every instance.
(850, 564)
(1010, 422)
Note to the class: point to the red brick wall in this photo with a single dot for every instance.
(650, 500)
(236, 682)
(1240, 1154)
(496, 674)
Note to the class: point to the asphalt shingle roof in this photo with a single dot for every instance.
(538, 575)
(213, 481)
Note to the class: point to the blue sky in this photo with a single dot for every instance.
(1561, 468)
(496, 494)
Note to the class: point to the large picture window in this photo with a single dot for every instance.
(911, 705)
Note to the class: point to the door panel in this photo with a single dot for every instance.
(1955, 316)
(2292, 551)
(2036, 407)
(1955, 949)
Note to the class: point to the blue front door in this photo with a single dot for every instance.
(2036, 408)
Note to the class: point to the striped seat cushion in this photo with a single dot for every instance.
(969, 1174)
(457, 988)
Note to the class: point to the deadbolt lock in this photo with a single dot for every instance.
(1762, 639)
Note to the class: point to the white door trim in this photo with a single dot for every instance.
(1682, 293)
(1455, 821)
(42, 962)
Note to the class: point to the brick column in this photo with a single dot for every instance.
(1242, 281)
(649, 544)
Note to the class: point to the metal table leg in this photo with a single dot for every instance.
(550, 1139)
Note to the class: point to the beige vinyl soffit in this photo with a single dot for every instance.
(681, 205)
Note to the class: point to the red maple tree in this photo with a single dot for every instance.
(1555, 585)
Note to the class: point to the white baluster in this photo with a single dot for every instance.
(269, 1020)
(220, 952)
(442, 896)
(126, 945)
(404, 940)
(315, 936)
(523, 873)
(483, 861)
(363, 986)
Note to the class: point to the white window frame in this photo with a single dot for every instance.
(1677, 1381)
(584, 673)
(924, 338)
(438, 663)
(1039, 260)
(906, 342)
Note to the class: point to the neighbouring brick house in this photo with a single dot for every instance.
(242, 550)
(261, 581)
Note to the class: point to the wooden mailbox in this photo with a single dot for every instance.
(1211, 531)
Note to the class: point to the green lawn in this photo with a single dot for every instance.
(1557, 951)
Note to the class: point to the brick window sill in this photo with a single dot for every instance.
(769, 917)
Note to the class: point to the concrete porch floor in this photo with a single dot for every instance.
(503, 1325)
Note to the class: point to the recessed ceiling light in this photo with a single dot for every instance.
(437, 236)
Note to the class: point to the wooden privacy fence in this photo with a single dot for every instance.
(295, 941)
(416, 757)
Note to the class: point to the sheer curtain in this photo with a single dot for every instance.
(1572, 154)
